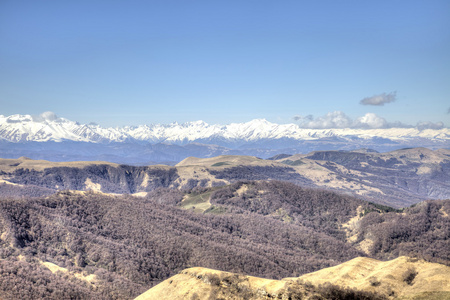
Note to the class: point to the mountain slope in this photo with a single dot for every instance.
(398, 178)
(118, 246)
(20, 128)
(131, 243)
(378, 279)
(402, 277)
(57, 139)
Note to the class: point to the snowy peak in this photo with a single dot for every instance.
(49, 127)
(43, 128)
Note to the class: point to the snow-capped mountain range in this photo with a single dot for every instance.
(25, 128)
(57, 139)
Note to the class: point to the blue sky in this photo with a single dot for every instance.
(140, 62)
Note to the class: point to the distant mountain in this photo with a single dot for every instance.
(21, 128)
(257, 137)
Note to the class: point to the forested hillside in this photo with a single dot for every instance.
(115, 247)
(422, 230)
(129, 243)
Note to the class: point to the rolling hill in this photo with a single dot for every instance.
(398, 178)
(359, 278)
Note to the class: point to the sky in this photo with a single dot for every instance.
(317, 63)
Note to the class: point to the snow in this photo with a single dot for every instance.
(19, 128)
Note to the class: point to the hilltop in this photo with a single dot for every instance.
(359, 278)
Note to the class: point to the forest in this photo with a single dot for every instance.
(127, 244)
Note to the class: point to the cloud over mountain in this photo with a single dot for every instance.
(49, 127)
(370, 120)
(338, 119)
(45, 116)
(379, 100)
(429, 125)
(334, 119)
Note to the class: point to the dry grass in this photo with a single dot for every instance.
(361, 272)
(55, 269)
(200, 283)
(431, 281)
(198, 203)
(10, 165)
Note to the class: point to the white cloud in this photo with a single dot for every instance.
(46, 116)
(370, 120)
(380, 99)
(429, 125)
(335, 119)
(338, 119)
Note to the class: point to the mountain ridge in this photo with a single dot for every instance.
(22, 128)
(398, 178)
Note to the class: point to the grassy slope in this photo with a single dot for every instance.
(383, 278)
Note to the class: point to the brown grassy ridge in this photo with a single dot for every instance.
(361, 278)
